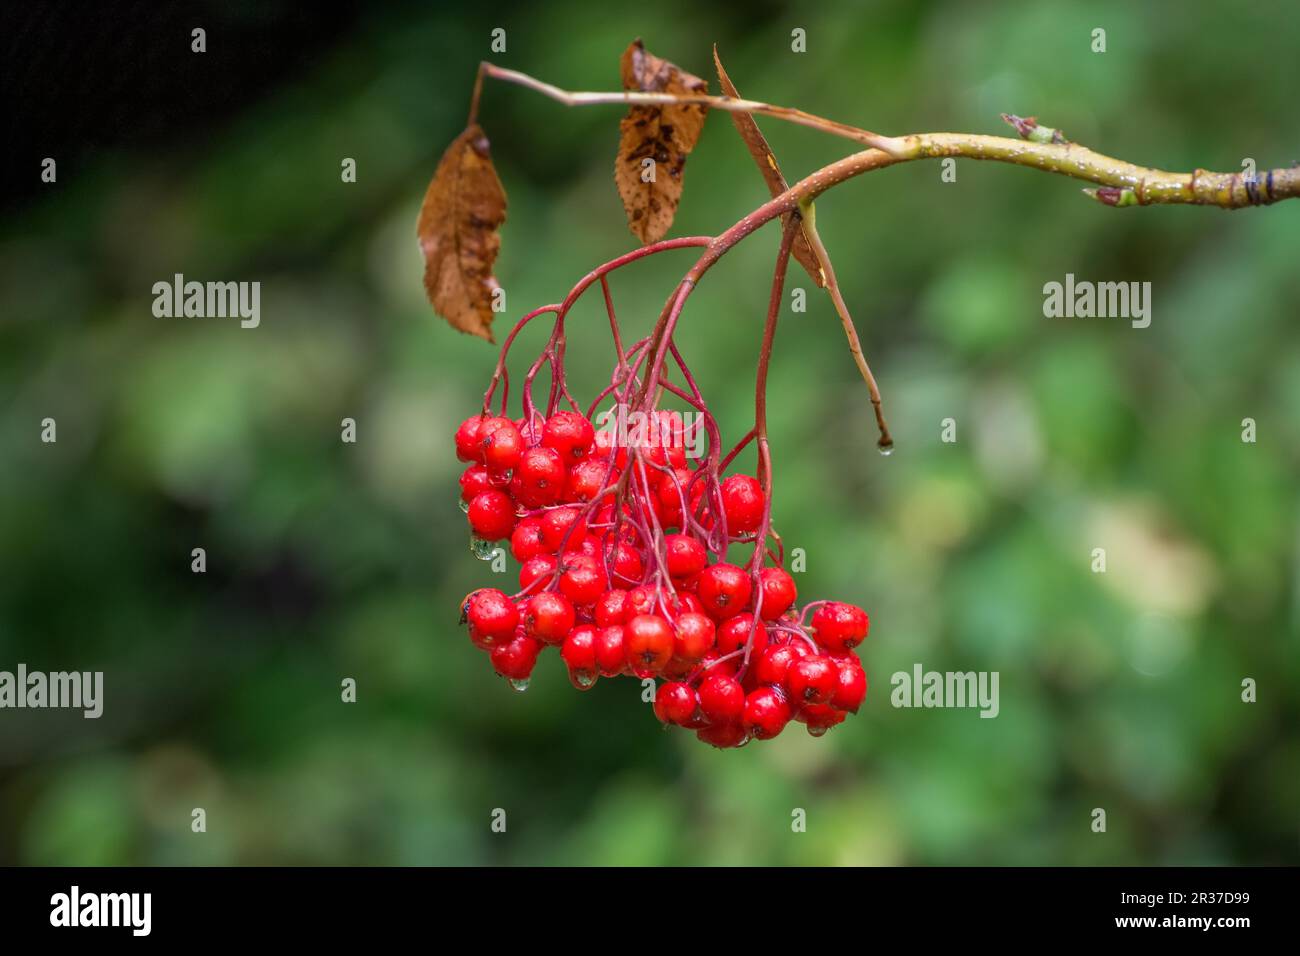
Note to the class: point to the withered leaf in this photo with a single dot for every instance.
(463, 208)
(747, 126)
(664, 134)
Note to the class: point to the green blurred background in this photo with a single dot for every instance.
(327, 560)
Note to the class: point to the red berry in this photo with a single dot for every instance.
(587, 478)
(685, 603)
(649, 643)
(819, 718)
(850, 685)
(723, 589)
(579, 655)
(500, 443)
(611, 608)
(583, 580)
(774, 662)
(526, 540)
(474, 480)
(491, 615)
(626, 565)
(611, 652)
(669, 495)
(722, 699)
(766, 712)
(641, 600)
(492, 515)
(723, 736)
(559, 523)
(839, 627)
(712, 663)
(742, 502)
(549, 617)
(812, 680)
(467, 448)
(684, 555)
(536, 568)
(570, 434)
(675, 703)
(540, 477)
(778, 592)
(606, 444)
(693, 636)
(515, 659)
(733, 634)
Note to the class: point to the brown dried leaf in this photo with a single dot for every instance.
(463, 208)
(666, 134)
(747, 126)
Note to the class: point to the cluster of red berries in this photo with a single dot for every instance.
(614, 546)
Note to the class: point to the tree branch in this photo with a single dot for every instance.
(1124, 183)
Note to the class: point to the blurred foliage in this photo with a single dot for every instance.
(327, 560)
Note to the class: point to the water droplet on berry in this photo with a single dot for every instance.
(519, 685)
(585, 680)
(816, 730)
(464, 505)
(481, 549)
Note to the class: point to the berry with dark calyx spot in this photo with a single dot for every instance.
(649, 643)
(850, 685)
(723, 589)
(839, 627)
(778, 592)
(722, 699)
(675, 703)
(587, 478)
(733, 634)
(491, 615)
(516, 659)
(579, 655)
(549, 617)
(742, 502)
(570, 434)
(611, 652)
(467, 447)
(582, 580)
(526, 540)
(492, 515)
(501, 444)
(540, 477)
(684, 556)
(693, 636)
(812, 680)
(766, 712)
